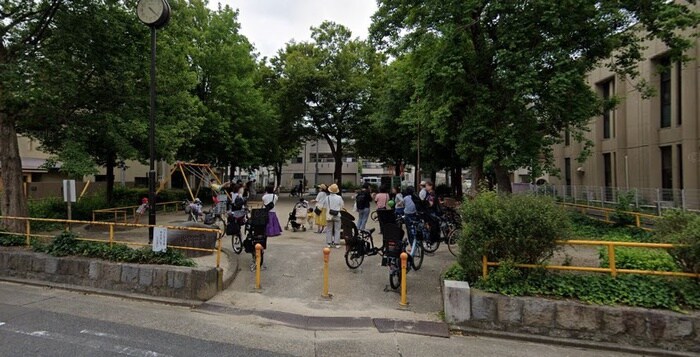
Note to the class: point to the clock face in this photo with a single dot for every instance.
(150, 11)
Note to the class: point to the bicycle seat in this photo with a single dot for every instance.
(369, 231)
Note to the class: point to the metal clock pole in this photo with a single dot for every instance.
(152, 141)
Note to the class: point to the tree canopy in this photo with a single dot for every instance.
(502, 80)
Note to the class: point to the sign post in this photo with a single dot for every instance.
(160, 239)
(69, 197)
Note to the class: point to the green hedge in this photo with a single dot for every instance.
(584, 227)
(632, 290)
(639, 258)
(683, 228)
(66, 244)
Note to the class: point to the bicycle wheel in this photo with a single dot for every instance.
(453, 241)
(237, 244)
(417, 256)
(374, 216)
(354, 258)
(395, 278)
(430, 247)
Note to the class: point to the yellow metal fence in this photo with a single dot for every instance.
(122, 212)
(611, 269)
(111, 240)
(606, 212)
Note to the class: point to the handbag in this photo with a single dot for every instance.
(317, 211)
(332, 212)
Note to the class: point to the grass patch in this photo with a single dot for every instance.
(639, 258)
(584, 227)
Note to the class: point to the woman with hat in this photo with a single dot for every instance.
(334, 203)
(320, 202)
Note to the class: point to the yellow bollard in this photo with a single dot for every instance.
(404, 288)
(326, 256)
(258, 253)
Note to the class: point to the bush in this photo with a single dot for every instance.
(633, 290)
(624, 205)
(585, 227)
(66, 244)
(521, 228)
(683, 228)
(10, 240)
(639, 258)
(455, 272)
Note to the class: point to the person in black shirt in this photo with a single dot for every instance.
(362, 201)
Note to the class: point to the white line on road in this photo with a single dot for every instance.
(86, 342)
(99, 334)
(2, 323)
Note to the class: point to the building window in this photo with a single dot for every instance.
(299, 160)
(607, 90)
(665, 92)
(298, 176)
(567, 136)
(666, 172)
(679, 152)
(608, 175)
(567, 175)
(141, 181)
(679, 91)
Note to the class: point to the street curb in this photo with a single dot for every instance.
(104, 292)
(591, 345)
(233, 264)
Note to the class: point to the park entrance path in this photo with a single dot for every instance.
(292, 282)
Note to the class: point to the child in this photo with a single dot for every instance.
(141, 210)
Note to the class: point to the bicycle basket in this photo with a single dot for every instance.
(209, 219)
(393, 239)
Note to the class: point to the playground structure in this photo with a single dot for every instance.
(202, 173)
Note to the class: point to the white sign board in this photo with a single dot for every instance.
(69, 191)
(160, 239)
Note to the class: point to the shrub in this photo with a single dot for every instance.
(633, 290)
(681, 228)
(639, 258)
(521, 228)
(455, 272)
(624, 205)
(10, 240)
(66, 244)
(593, 229)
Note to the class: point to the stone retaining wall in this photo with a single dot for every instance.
(571, 319)
(155, 280)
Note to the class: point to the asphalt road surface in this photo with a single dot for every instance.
(37, 321)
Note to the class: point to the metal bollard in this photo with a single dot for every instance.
(258, 253)
(326, 256)
(404, 289)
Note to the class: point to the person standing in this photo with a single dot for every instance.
(423, 191)
(269, 201)
(334, 205)
(320, 208)
(382, 198)
(362, 201)
(398, 200)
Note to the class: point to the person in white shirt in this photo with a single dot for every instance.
(320, 203)
(269, 201)
(334, 203)
(423, 191)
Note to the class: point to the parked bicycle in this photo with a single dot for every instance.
(449, 232)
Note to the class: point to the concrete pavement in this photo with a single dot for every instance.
(44, 322)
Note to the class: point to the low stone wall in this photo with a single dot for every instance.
(570, 319)
(155, 280)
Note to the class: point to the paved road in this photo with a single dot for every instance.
(44, 322)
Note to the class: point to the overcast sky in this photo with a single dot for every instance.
(269, 24)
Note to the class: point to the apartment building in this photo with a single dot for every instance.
(315, 162)
(648, 144)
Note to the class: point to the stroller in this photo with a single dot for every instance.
(298, 216)
(255, 229)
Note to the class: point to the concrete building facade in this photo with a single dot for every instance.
(644, 143)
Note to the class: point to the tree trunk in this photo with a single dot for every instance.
(110, 163)
(433, 177)
(477, 169)
(502, 179)
(12, 199)
(338, 158)
(397, 168)
(457, 182)
(278, 174)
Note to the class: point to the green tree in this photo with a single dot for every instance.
(330, 78)
(23, 26)
(504, 79)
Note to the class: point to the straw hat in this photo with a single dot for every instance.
(333, 189)
(322, 186)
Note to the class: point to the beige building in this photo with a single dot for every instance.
(646, 144)
(315, 162)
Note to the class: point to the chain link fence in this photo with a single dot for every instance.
(650, 200)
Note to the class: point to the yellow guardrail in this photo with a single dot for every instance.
(607, 211)
(28, 233)
(612, 269)
(119, 212)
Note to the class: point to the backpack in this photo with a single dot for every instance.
(238, 203)
(362, 200)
